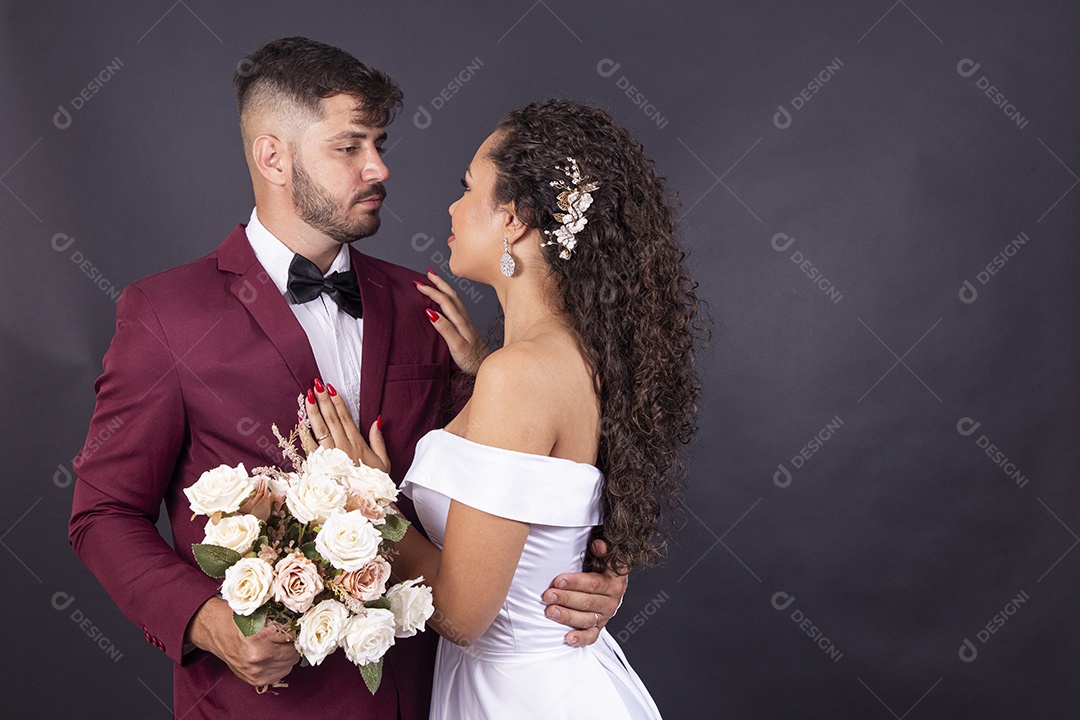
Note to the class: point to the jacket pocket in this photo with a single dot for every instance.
(426, 371)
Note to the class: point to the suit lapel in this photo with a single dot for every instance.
(257, 292)
(378, 324)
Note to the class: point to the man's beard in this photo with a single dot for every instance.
(318, 209)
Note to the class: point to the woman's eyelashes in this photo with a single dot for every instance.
(463, 183)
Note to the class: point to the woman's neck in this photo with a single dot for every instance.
(527, 310)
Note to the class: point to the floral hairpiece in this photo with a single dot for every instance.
(574, 200)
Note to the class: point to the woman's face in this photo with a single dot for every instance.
(477, 224)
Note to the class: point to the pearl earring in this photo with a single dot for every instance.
(506, 262)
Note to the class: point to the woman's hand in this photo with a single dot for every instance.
(333, 427)
(466, 346)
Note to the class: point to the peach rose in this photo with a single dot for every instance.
(296, 582)
(367, 583)
(366, 503)
(259, 502)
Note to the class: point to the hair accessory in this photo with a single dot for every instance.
(506, 262)
(574, 200)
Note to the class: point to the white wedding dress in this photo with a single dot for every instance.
(521, 667)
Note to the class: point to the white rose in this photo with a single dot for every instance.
(237, 532)
(314, 498)
(348, 540)
(411, 605)
(222, 489)
(248, 584)
(320, 630)
(367, 637)
(331, 462)
(374, 481)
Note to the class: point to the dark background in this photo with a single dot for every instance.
(899, 538)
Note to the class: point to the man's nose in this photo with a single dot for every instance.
(376, 170)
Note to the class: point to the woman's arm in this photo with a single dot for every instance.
(510, 408)
(471, 576)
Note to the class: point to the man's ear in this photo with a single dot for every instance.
(273, 159)
(513, 226)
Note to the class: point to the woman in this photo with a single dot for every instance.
(575, 422)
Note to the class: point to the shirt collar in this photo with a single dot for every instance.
(275, 257)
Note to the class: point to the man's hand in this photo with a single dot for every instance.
(262, 659)
(585, 601)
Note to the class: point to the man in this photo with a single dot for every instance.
(208, 355)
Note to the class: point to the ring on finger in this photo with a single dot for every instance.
(597, 623)
(320, 439)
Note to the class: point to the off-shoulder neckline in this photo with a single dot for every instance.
(536, 456)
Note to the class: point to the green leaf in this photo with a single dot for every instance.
(215, 560)
(251, 624)
(260, 543)
(381, 604)
(310, 552)
(394, 528)
(292, 535)
(372, 674)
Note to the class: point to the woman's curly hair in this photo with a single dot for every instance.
(627, 294)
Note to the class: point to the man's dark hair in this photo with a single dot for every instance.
(301, 72)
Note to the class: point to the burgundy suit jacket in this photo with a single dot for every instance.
(205, 358)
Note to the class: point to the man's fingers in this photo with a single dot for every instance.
(579, 601)
(581, 582)
(274, 635)
(599, 548)
(575, 619)
(579, 638)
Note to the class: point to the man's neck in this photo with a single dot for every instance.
(299, 237)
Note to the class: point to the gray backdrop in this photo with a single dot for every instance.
(881, 203)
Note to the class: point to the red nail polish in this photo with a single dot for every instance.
(378, 423)
(431, 315)
(330, 389)
(420, 284)
(430, 271)
(311, 396)
(318, 385)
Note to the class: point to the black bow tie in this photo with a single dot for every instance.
(306, 283)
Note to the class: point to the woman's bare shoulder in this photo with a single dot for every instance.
(517, 398)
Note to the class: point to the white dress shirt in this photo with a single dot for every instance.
(336, 338)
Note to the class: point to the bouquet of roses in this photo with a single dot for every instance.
(308, 551)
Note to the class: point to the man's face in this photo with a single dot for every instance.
(338, 173)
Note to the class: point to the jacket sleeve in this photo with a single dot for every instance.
(122, 480)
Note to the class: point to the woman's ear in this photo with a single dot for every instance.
(272, 158)
(513, 226)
